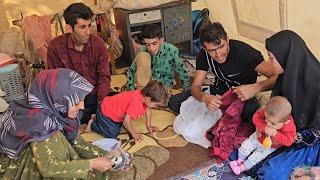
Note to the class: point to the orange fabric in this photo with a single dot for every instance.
(129, 102)
(5, 60)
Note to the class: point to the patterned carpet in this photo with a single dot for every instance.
(151, 152)
(210, 170)
(164, 153)
(164, 138)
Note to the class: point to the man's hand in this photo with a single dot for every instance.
(152, 129)
(137, 137)
(212, 102)
(207, 82)
(101, 164)
(246, 92)
(270, 131)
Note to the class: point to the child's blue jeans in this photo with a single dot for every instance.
(106, 126)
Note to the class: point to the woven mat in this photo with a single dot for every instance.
(164, 138)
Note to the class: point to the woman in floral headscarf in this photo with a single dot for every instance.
(38, 132)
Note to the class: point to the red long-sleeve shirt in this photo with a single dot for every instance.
(92, 62)
(285, 135)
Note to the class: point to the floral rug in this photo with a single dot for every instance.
(151, 153)
(210, 170)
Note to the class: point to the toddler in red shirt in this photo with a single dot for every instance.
(274, 128)
(121, 109)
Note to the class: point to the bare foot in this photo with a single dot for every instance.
(93, 117)
(88, 128)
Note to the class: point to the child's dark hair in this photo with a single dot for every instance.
(150, 31)
(76, 11)
(156, 90)
(213, 33)
(279, 106)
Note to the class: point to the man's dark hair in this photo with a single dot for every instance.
(76, 11)
(156, 90)
(150, 31)
(213, 33)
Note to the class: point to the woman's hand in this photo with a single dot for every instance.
(101, 164)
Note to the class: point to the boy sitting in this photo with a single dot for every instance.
(125, 107)
(275, 128)
(157, 60)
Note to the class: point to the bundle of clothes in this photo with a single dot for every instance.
(230, 131)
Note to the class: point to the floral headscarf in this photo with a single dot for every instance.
(43, 110)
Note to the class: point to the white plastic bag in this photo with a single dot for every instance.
(194, 120)
(108, 144)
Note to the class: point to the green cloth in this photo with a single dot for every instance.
(164, 65)
(53, 158)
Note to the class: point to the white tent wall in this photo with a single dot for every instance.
(303, 17)
(11, 9)
(299, 16)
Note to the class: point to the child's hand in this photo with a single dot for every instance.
(270, 131)
(137, 137)
(153, 129)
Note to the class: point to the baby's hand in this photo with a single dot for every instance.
(137, 137)
(258, 133)
(153, 129)
(270, 131)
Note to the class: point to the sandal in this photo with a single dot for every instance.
(122, 161)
